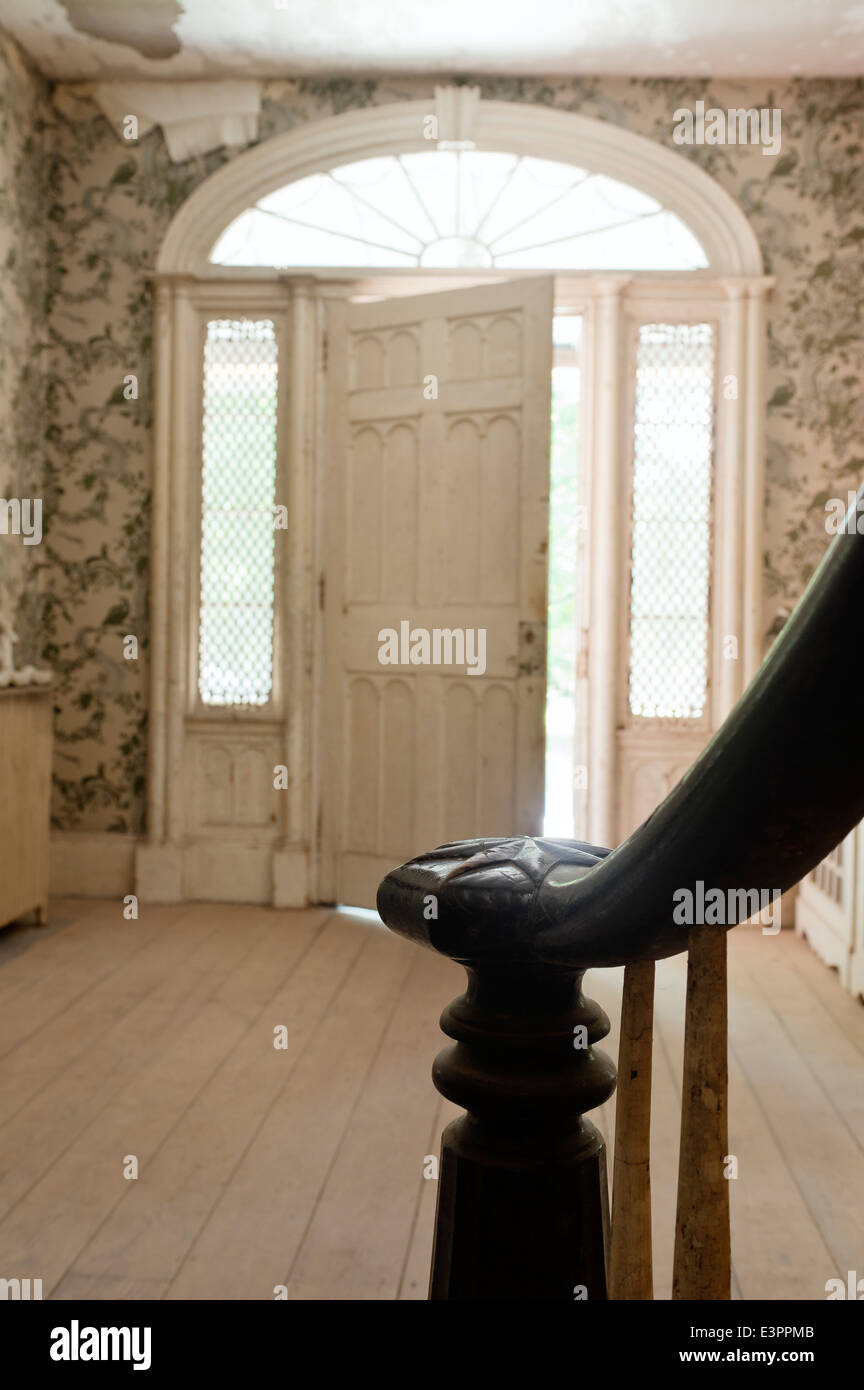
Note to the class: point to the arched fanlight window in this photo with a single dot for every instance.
(460, 209)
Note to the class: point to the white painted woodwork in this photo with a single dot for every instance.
(437, 515)
(733, 396)
(829, 910)
(678, 184)
(634, 763)
(25, 803)
(754, 478)
(191, 849)
(100, 865)
(217, 827)
(650, 763)
(856, 966)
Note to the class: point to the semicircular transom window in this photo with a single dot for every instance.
(460, 210)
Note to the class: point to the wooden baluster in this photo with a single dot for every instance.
(522, 1203)
(703, 1257)
(630, 1256)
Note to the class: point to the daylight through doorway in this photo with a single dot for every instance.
(564, 516)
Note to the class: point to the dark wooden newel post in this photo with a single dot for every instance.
(522, 1198)
(522, 1202)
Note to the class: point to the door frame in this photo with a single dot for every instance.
(286, 869)
(611, 306)
(525, 681)
(269, 859)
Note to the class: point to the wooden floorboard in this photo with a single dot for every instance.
(192, 963)
(160, 1214)
(60, 1212)
(299, 1171)
(260, 1221)
(356, 1236)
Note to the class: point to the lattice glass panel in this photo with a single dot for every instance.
(671, 536)
(828, 876)
(235, 639)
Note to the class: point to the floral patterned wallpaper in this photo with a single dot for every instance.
(77, 290)
(26, 121)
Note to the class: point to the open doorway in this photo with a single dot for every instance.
(435, 553)
(435, 467)
(564, 525)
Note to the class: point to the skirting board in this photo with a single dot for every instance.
(92, 866)
(104, 866)
(217, 871)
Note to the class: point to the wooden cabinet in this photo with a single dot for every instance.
(25, 795)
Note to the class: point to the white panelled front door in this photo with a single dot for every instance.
(435, 535)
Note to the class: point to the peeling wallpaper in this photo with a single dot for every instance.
(82, 288)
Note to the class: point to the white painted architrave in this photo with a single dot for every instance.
(516, 128)
(833, 923)
(611, 304)
(186, 281)
(261, 855)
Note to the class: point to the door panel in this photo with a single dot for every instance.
(436, 519)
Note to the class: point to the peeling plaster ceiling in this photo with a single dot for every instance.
(87, 40)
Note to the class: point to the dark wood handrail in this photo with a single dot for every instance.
(522, 1209)
(779, 785)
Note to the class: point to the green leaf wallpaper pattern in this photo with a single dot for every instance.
(82, 215)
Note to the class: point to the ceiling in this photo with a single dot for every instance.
(120, 39)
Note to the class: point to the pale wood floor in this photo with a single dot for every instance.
(304, 1166)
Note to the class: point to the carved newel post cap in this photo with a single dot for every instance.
(522, 1204)
(484, 900)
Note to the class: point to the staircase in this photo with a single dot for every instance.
(523, 1210)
